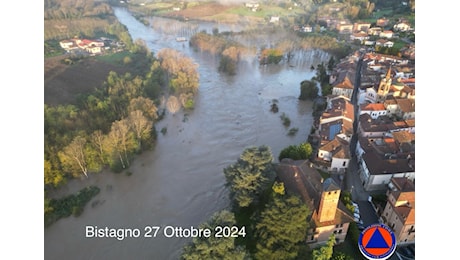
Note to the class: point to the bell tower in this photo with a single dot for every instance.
(384, 87)
(329, 200)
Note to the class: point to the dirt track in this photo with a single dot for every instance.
(202, 11)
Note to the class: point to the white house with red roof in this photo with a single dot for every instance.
(91, 46)
(374, 110)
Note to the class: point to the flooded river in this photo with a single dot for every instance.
(181, 182)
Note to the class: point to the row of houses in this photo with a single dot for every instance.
(385, 130)
(384, 124)
(385, 104)
(90, 46)
(367, 33)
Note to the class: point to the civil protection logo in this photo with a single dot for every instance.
(377, 241)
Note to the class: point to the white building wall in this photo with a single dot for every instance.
(339, 163)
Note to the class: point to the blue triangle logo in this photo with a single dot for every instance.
(377, 240)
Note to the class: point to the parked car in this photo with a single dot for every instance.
(356, 210)
(357, 215)
(354, 204)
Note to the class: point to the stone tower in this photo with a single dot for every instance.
(329, 201)
(384, 87)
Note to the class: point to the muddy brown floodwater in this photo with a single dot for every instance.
(181, 183)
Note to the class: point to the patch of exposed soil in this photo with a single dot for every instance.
(201, 12)
(64, 82)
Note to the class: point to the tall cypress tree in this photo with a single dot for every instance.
(250, 175)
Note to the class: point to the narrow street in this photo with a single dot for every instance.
(353, 182)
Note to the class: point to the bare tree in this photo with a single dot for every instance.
(97, 140)
(173, 104)
(140, 124)
(121, 140)
(145, 105)
(181, 70)
(73, 155)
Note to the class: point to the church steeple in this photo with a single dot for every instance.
(384, 86)
(388, 76)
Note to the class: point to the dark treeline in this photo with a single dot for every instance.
(72, 9)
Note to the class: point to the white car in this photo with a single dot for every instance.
(357, 215)
(356, 210)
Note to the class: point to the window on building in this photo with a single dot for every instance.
(340, 231)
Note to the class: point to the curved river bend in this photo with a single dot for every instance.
(181, 182)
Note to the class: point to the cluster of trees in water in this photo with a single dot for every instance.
(106, 128)
(274, 220)
(229, 51)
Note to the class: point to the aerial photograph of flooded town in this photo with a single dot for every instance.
(232, 129)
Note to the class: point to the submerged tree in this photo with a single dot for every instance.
(122, 141)
(182, 72)
(140, 125)
(173, 104)
(308, 90)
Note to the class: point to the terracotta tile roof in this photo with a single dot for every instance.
(338, 147)
(340, 108)
(372, 107)
(410, 122)
(404, 192)
(345, 83)
(299, 178)
(403, 137)
(406, 105)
